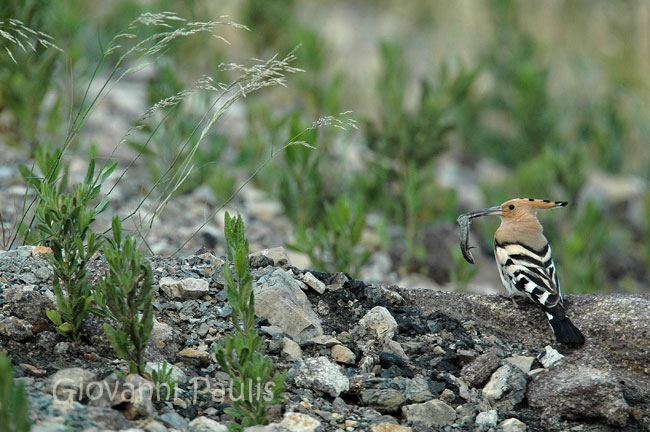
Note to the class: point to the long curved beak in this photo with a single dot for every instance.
(496, 211)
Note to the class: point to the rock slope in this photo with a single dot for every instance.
(359, 357)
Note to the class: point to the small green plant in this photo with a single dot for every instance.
(241, 355)
(14, 405)
(333, 245)
(301, 186)
(64, 223)
(124, 295)
(163, 382)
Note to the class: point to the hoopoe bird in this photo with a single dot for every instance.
(525, 264)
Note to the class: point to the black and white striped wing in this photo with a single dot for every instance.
(528, 272)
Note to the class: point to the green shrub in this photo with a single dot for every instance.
(333, 245)
(124, 295)
(14, 405)
(64, 223)
(241, 355)
(301, 185)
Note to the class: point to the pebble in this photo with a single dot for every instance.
(377, 323)
(205, 424)
(321, 374)
(314, 283)
(185, 289)
(512, 425)
(432, 413)
(487, 419)
(549, 357)
(343, 354)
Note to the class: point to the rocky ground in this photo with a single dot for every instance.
(358, 356)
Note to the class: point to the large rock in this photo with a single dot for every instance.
(280, 300)
(581, 385)
(322, 375)
(69, 384)
(602, 318)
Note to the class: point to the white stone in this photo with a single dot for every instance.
(186, 289)
(512, 425)
(314, 283)
(488, 418)
(205, 424)
(297, 422)
(550, 356)
(321, 374)
(378, 323)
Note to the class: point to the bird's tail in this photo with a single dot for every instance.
(565, 331)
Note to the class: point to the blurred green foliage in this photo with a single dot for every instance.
(549, 98)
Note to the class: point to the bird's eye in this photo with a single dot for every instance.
(511, 207)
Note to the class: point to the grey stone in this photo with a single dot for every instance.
(478, 371)
(512, 425)
(205, 424)
(582, 385)
(550, 356)
(69, 384)
(378, 323)
(290, 349)
(42, 273)
(507, 387)
(139, 403)
(16, 329)
(107, 393)
(487, 419)
(417, 390)
(384, 400)
(432, 413)
(280, 300)
(173, 420)
(30, 306)
(337, 281)
(186, 289)
(29, 278)
(522, 362)
(322, 375)
(343, 354)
